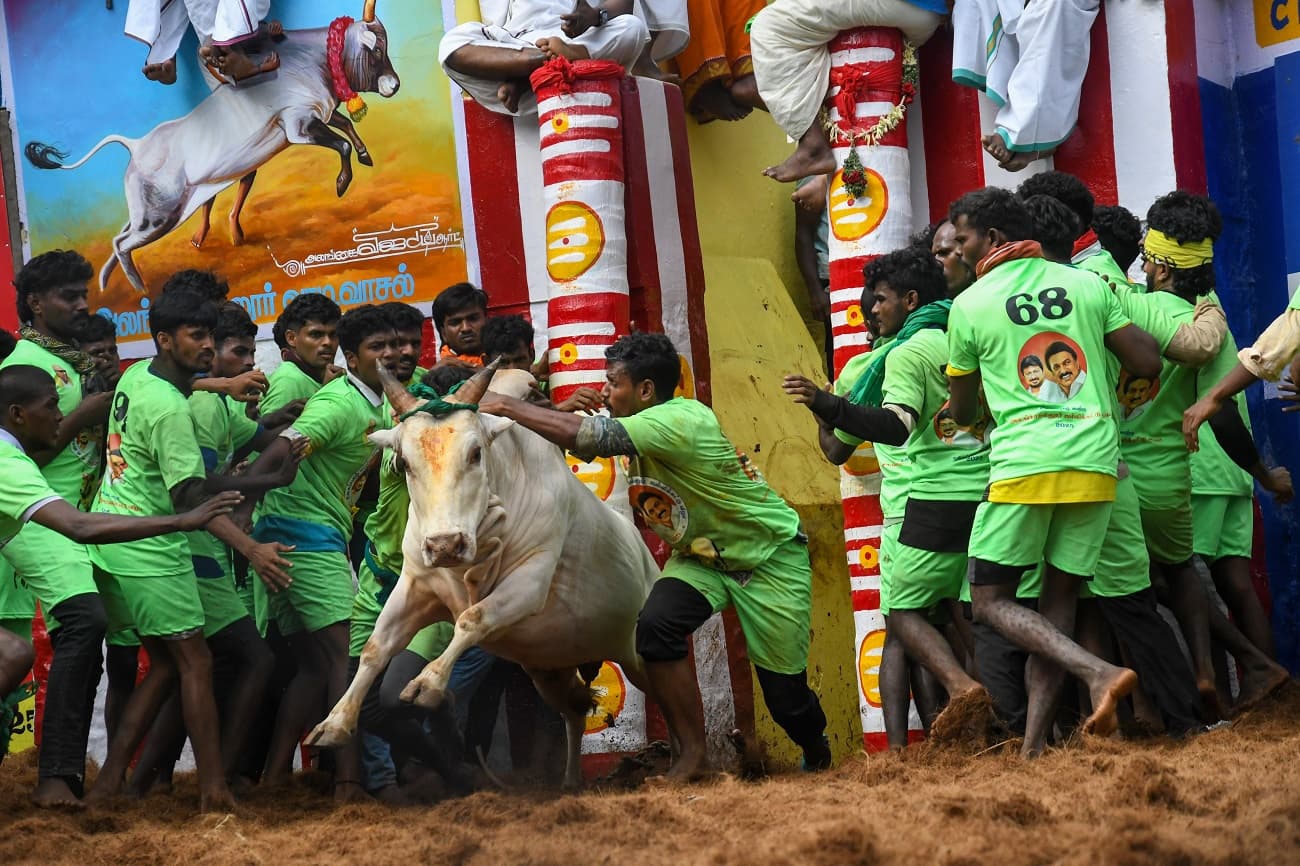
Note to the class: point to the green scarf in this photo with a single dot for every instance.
(868, 390)
(79, 360)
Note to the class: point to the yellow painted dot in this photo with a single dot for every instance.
(575, 239)
(611, 693)
(853, 219)
(853, 315)
(559, 122)
(568, 354)
(868, 556)
(869, 654)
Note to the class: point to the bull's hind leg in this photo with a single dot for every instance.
(519, 596)
(410, 608)
(572, 699)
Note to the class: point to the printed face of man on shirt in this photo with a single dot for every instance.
(1064, 366)
(656, 509)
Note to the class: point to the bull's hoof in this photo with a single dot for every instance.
(423, 695)
(342, 183)
(363, 157)
(329, 734)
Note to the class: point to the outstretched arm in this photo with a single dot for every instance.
(587, 437)
(1238, 444)
(96, 528)
(1237, 380)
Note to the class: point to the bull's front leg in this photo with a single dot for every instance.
(410, 608)
(519, 596)
(343, 124)
(314, 131)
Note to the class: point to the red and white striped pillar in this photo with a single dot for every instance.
(866, 85)
(579, 108)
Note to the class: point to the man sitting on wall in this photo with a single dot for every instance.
(492, 59)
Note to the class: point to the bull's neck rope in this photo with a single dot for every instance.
(343, 91)
(435, 403)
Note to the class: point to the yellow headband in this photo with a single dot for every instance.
(1159, 247)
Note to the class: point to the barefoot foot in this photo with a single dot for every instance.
(217, 798)
(163, 73)
(509, 93)
(802, 164)
(713, 102)
(55, 793)
(812, 195)
(200, 235)
(554, 46)
(275, 30)
(1105, 700)
(1260, 684)
(969, 714)
(350, 791)
(236, 230)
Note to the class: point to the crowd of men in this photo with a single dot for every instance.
(1046, 478)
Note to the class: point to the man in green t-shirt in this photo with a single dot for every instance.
(155, 467)
(29, 422)
(736, 543)
(1177, 254)
(1087, 252)
(949, 464)
(314, 514)
(1052, 465)
(51, 291)
(896, 675)
(306, 333)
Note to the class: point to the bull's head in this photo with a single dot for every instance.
(445, 459)
(365, 56)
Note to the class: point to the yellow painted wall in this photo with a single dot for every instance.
(756, 308)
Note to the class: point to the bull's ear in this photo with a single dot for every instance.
(369, 39)
(384, 438)
(495, 425)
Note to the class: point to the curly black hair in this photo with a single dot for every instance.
(443, 377)
(911, 269)
(1119, 232)
(204, 283)
(309, 307)
(98, 329)
(49, 271)
(1065, 188)
(925, 237)
(994, 208)
(648, 356)
(502, 334)
(233, 323)
(7, 343)
(1055, 226)
(179, 309)
(359, 323)
(1187, 217)
(454, 298)
(404, 316)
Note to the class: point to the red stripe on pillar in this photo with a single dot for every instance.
(693, 257)
(1185, 96)
(494, 196)
(642, 253)
(950, 123)
(1089, 152)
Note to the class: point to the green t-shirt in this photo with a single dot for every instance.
(385, 529)
(337, 420)
(1151, 417)
(222, 428)
(152, 447)
(1103, 264)
(689, 485)
(24, 490)
(895, 468)
(949, 463)
(1213, 472)
(1035, 330)
(75, 470)
(286, 384)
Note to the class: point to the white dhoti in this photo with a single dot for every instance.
(1030, 59)
(161, 24)
(621, 39)
(792, 64)
(668, 24)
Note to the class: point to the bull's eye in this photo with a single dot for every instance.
(475, 456)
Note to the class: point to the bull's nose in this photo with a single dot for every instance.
(444, 548)
(388, 85)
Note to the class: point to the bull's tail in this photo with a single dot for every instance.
(49, 156)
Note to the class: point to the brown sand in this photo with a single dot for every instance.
(1228, 797)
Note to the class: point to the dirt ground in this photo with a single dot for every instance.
(1228, 797)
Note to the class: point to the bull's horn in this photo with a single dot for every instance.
(368, 15)
(474, 389)
(398, 397)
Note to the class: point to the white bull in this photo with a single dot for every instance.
(503, 540)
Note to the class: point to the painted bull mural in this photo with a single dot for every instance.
(180, 165)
